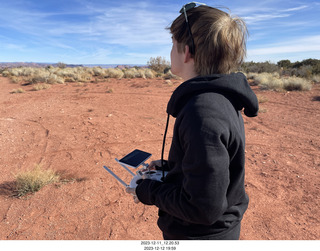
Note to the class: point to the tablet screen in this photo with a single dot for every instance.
(135, 158)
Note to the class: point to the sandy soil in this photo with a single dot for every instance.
(75, 129)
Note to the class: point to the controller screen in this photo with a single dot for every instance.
(135, 158)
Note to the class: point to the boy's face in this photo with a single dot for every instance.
(177, 59)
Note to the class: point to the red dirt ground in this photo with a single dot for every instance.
(75, 129)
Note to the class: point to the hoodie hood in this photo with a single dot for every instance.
(233, 86)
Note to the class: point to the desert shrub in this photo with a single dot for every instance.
(296, 84)
(149, 73)
(24, 71)
(131, 73)
(15, 79)
(259, 67)
(39, 87)
(268, 81)
(141, 72)
(275, 74)
(114, 73)
(98, 72)
(83, 77)
(272, 81)
(6, 73)
(77, 74)
(61, 65)
(66, 73)
(29, 71)
(16, 72)
(158, 64)
(305, 68)
(316, 68)
(303, 71)
(39, 77)
(55, 79)
(262, 99)
(273, 84)
(86, 70)
(284, 64)
(30, 75)
(31, 181)
(316, 78)
(19, 90)
(251, 75)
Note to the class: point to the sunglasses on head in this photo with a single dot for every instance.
(184, 10)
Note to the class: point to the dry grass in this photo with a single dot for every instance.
(296, 84)
(262, 99)
(316, 78)
(273, 81)
(268, 81)
(56, 75)
(114, 73)
(38, 87)
(31, 181)
(42, 77)
(19, 90)
(132, 73)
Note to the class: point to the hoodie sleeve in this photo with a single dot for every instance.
(202, 196)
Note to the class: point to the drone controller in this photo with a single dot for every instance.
(145, 174)
(133, 160)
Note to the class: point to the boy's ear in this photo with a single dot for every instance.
(187, 54)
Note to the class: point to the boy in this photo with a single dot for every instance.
(202, 196)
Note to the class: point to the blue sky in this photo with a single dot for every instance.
(130, 32)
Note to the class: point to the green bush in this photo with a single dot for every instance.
(305, 68)
(259, 67)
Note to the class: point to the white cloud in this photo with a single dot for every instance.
(256, 14)
(301, 45)
(295, 9)
(263, 17)
(100, 28)
(125, 25)
(131, 26)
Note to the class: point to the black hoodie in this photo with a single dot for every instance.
(203, 193)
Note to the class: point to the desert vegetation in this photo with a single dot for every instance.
(33, 180)
(60, 74)
(30, 181)
(158, 64)
(287, 76)
(283, 76)
(56, 75)
(275, 82)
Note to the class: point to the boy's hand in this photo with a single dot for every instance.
(154, 164)
(132, 191)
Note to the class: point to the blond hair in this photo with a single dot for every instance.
(219, 39)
